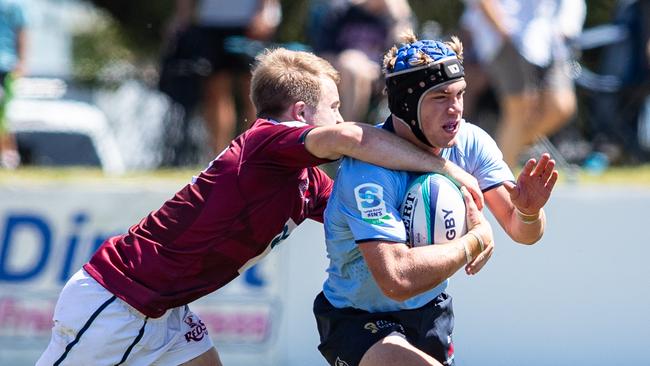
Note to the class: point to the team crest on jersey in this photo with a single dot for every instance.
(370, 202)
(302, 188)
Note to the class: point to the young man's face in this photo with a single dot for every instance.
(327, 111)
(441, 111)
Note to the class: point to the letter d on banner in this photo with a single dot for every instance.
(35, 225)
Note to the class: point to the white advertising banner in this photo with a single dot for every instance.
(578, 297)
(48, 231)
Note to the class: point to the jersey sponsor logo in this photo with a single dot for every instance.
(371, 327)
(198, 329)
(407, 212)
(374, 327)
(370, 202)
(286, 230)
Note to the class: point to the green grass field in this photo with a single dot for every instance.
(637, 175)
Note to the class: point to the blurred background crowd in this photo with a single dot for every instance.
(126, 85)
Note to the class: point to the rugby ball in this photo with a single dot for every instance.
(433, 211)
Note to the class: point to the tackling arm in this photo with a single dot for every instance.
(374, 145)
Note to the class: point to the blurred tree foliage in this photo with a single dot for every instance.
(97, 49)
(143, 22)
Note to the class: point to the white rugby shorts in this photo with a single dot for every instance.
(93, 327)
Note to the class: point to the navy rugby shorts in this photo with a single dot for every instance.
(347, 333)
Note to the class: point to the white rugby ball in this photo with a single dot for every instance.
(433, 211)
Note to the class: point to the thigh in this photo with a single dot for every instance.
(208, 358)
(558, 76)
(430, 328)
(395, 349)
(346, 334)
(91, 326)
(511, 74)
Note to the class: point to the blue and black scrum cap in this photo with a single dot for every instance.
(419, 67)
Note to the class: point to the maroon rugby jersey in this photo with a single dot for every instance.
(256, 191)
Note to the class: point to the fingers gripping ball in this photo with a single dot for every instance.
(433, 211)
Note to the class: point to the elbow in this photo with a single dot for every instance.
(395, 291)
(350, 135)
(393, 286)
(398, 288)
(528, 241)
(344, 139)
(401, 291)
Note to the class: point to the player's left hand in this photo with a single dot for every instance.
(534, 185)
(477, 223)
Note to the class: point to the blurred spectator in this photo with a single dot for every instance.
(475, 100)
(352, 35)
(12, 63)
(615, 115)
(522, 45)
(200, 56)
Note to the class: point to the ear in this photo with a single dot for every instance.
(298, 110)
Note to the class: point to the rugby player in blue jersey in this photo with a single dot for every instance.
(384, 302)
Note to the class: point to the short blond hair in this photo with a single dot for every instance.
(409, 37)
(282, 77)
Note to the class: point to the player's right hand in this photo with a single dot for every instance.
(478, 224)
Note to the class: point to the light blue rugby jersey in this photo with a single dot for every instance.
(364, 206)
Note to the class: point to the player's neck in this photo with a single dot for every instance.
(402, 130)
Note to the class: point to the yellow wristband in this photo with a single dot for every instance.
(479, 239)
(468, 255)
(527, 218)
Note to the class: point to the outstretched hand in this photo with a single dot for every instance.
(534, 185)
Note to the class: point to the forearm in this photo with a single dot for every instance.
(407, 272)
(386, 149)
